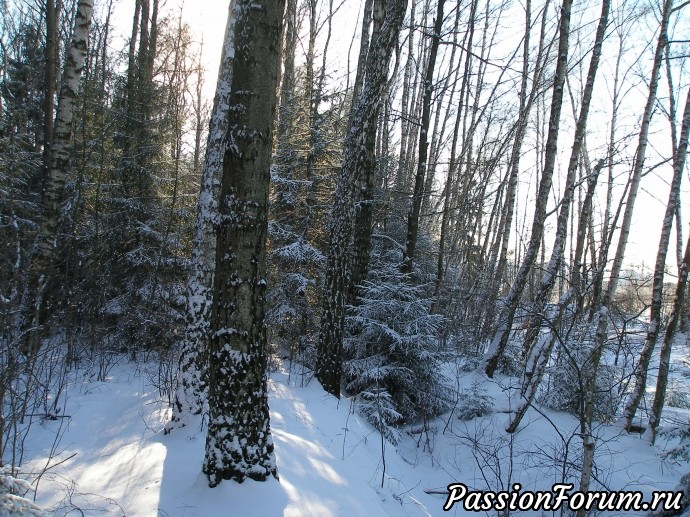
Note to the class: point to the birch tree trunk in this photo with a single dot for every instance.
(590, 372)
(64, 118)
(681, 288)
(357, 158)
(502, 334)
(42, 265)
(407, 103)
(365, 194)
(658, 282)
(239, 443)
(418, 192)
(191, 389)
(540, 356)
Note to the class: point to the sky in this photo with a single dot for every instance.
(207, 19)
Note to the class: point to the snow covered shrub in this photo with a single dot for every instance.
(677, 396)
(681, 437)
(379, 409)
(392, 352)
(470, 364)
(473, 403)
(565, 391)
(12, 504)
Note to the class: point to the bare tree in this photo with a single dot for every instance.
(502, 334)
(681, 288)
(638, 166)
(418, 192)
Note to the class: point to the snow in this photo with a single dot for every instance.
(113, 458)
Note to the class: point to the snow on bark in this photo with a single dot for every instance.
(62, 136)
(359, 145)
(239, 443)
(191, 390)
(535, 366)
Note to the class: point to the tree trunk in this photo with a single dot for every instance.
(452, 164)
(190, 394)
(239, 443)
(655, 312)
(590, 373)
(364, 209)
(42, 265)
(502, 334)
(506, 222)
(60, 155)
(418, 193)
(358, 157)
(51, 58)
(679, 301)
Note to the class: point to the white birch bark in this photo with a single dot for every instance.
(679, 301)
(502, 334)
(191, 389)
(40, 274)
(658, 282)
(590, 373)
(62, 135)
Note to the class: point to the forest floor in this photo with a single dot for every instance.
(107, 455)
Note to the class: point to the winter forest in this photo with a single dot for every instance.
(406, 244)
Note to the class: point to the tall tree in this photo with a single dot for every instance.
(193, 360)
(638, 166)
(418, 193)
(537, 360)
(42, 265)
(681, 288)
(502, 334)
(239, 443)
(601, 316)
(51, 60)
(358, 156)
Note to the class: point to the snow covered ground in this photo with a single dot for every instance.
(112, 457)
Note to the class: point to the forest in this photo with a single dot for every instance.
(428, 216)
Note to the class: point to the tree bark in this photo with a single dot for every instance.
(364, 209)
(502, 334)
(239, 443)
(358, 157)
(191, 390)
